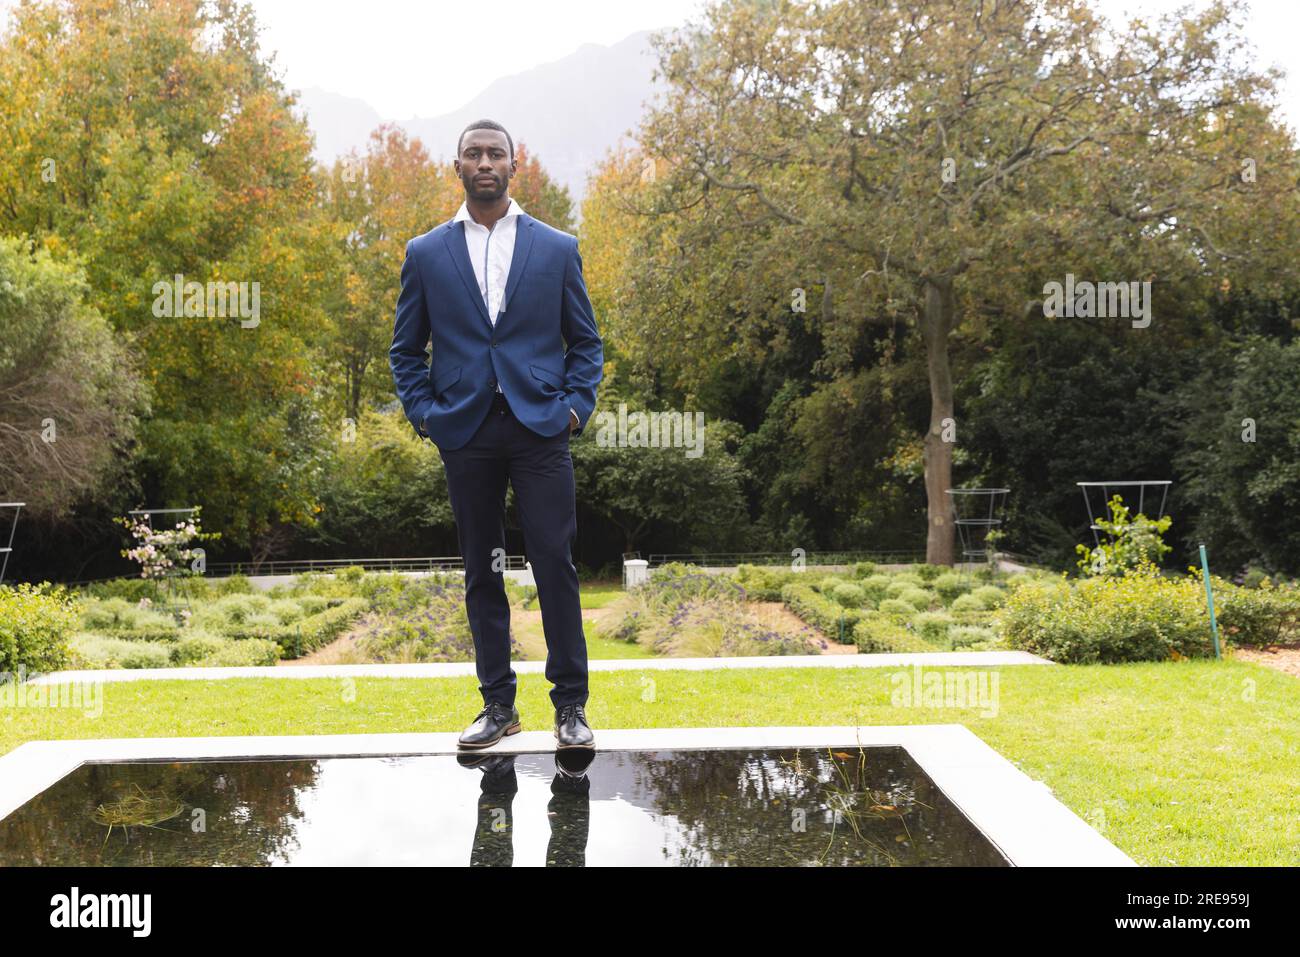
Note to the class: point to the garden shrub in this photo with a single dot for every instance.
(933, 626)
(971, 637)
(252, 652)
(950, 586)
(864, 569)
(629, 629)
(230, 585)
(351, 575)
(262, 623)
(119, 618)
(879, 634)
(676, 583)
(764, 583)
(990, 596)
(311, 604)
(436, 631)
(36, 622)
(897, 606)
(1141, 616)
(897, 586)
(194, 647)
(967, 603)
(1264, 615)
(875, 587)
(704, 628)
(395, 591)
(928, 573)
(285, 610)
(315, 630)
(848, 595)
(129, 590)
(99, 651)
(918, 598)
(1131, 541)
(232, 610)
(819, 611)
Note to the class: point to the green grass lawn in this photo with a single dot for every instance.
(598, 647)
(1189, 763)
(598, 595)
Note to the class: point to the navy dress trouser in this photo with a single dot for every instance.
(540, 470)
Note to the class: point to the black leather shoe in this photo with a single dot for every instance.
(493, 723)
(571, 728)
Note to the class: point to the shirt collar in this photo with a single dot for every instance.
(514, 209)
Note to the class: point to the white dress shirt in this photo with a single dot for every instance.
(490, 252)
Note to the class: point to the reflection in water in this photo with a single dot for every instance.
(793, 806)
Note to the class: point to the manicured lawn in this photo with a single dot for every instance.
(599, 595)
(1189, 763)
(598, 647)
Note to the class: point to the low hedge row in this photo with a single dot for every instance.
(876, 633)
(202, 650)
(821, 612)
(310, 633)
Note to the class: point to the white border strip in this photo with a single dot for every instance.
(951, 659)
(1019, 815)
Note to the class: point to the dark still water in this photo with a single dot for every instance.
(797, 806)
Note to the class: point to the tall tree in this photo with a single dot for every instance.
(940, 161)
(374, 203)
(69, 398)
(154, 140)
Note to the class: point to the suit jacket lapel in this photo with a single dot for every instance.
(454, 238)
(523, 246)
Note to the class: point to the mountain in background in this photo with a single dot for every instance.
(568, 112)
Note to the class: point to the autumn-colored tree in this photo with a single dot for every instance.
(539, 195)
(375, 203)
(153, 140)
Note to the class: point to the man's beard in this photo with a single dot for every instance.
(485, 192)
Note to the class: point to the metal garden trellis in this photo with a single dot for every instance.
(976, 512)
(1140, 484)
(13, 529)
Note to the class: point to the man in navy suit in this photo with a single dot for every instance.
(514, 364)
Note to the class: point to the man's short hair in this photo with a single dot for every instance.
(485, 125)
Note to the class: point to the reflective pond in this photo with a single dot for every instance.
(788, 806)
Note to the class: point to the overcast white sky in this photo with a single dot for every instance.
(425, 57)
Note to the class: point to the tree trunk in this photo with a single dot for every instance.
(937, 317)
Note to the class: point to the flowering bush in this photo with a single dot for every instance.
(163, 553)
(710, 628)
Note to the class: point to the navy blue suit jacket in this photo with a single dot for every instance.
(545, 350)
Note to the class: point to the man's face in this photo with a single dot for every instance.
(485, 154)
